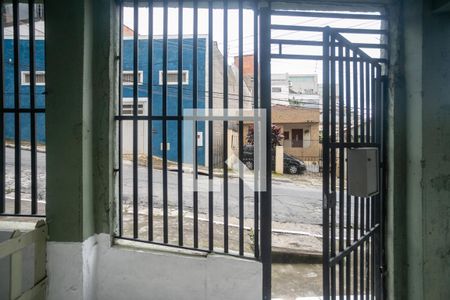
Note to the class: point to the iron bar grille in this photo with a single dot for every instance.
(22, 102)
(185, 56)
(353, 26)
(352, 117)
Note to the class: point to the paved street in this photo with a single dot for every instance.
(292, 202)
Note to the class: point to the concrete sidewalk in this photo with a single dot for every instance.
(291, 243)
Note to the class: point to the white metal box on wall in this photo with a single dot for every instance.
(363, 172)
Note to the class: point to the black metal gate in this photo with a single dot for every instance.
(352, 118)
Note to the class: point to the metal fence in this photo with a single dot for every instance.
(155, 203)
(22, 106)
(353, 247)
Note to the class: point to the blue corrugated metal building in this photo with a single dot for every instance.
(127, 88)
(24, 61)
(172, 99)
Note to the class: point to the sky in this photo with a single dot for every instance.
(278, 65)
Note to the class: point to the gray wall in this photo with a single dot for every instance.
(419, 142)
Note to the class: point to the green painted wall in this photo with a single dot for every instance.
(105, 91)
(396, 142)
(68, 128)
(414, 141)
(436, 154)
(419, 142)
(79, 81)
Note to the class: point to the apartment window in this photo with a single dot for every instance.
(39, 78)
(297, 138)
(128, 76)
(127, 108)
(276, 90)
(286, 135)
(172, 77)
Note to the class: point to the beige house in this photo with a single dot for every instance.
(300, 127)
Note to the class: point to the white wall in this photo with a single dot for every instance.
(71, 270)
(280, 81)
(124, 272)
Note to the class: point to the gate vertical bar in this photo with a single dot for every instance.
(341, 167)
(32, 107)
(210, 127)
(375, 199)
(150, 122)
(333, 161)
(135, 121)
(383, 106)
(266, 196)
(326, 163)
(180, 123)
(194, 104)
(17, 139)
(120, 129)
(164, 124)
(241, 129)
(362, 210)
(355, 199)
(256, 106)
(2, 116)
(225, 126)
(368, 199)
(349, 140)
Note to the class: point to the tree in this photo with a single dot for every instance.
(277, 136)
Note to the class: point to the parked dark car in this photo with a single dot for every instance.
(291, 165)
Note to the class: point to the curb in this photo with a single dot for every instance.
(26, 148)
(291, 256)
(281, 179)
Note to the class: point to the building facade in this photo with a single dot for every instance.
(157, 98)
(24, 84)
(127, 91)
(300, 127)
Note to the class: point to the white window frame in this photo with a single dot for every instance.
(185, 82)
(130, 101)
(140, 77)
(22, 77)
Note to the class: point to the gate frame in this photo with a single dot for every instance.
(376, 230)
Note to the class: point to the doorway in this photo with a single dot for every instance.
(347, 89)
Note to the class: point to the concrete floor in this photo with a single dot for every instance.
(296, 206)
(291, 281)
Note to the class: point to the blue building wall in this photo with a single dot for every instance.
(24, 63)
(172, 91)
(127, 90)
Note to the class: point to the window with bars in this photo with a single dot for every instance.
(172, 77)
(39, 77)
(199, 77)
(128, 108)
(22, 111)
(128, 77)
